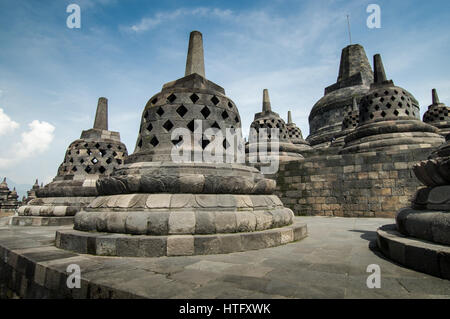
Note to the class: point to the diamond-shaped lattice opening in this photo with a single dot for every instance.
(205, 143)
(88, 169)
(109, 146)
(154, 141)
(393, 98)
(371, 115)
(182, 110)
(97, 145)
(230, 105)
(94, 161)
(383, 114)
(88, 152)
(403, 98)
(103, 152)
(191, 126)
(386, 92)
(86, 145)
(71, 160)
(400, 104)
(225, 144)
(155, 100)
(225, 115)
(178, 141)
(382, 99)
(376, 94)
(194, 98)
(149, 127)
(146, 115)
(81, 161)
(396, 113)
(205, 112)
(101, 169)
(119, 161)
(236, 119)
(160, 111)
(215, 100)
(78, 152)
(168, 125)
(172, 97)
(370, 102)
(377, 107)
(109, 160)
(388, 105)
(215, 125)
(115, 154)
(407, 112)
(74, 169)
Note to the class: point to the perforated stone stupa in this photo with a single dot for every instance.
(389, 119)
(268, 119)
(96, 153)
(438, 115)
(354, 80)
(349, 124)
(155, 205)
(295, 134)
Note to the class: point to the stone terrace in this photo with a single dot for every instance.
(330, 263)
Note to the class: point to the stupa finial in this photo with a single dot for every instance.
(101, 116)
(435, 96)
(355, 104)
(378, 69)
(266, 101)
(289, 117)
(195, 62)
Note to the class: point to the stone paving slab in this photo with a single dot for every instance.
(330, 263)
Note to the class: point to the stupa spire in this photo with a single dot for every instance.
(355, 104)
(435, 97)
(101, 116)
(378, 69)
(289, 117)
(195, 62)
(266, 101)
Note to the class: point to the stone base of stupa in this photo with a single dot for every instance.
(50, 211)
(126, 245)
(418, 254)
(180, 224)
(41, 221)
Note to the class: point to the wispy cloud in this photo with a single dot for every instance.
(6, 124)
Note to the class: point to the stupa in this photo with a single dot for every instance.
(31, 194)
(295, 134)
(268, 119)
(96, 153)
(438, 115)
(157, 205)
(8, 199)
(389, 119)
(354, 80)
(421, 237)
(349, 124)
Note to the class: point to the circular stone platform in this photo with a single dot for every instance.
(417, 254)
(124, 245)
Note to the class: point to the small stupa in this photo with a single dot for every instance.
(438, 115)
(96, 153)
(295, 134)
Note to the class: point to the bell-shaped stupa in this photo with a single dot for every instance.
(96, 153)
(295, 134)
(354, 80)
(438, 114)
(158, 204)
(269, 120)
(389, 119)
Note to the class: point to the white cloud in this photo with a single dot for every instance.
(6, 124)
(33, 142)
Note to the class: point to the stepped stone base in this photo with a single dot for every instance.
(417, 254)
(124, 245)
(41, 221)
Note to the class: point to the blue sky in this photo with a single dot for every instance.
(51, 76)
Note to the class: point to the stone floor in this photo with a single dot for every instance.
(330, 263)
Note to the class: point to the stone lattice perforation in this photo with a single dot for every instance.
(437, 114)
(92, 157)
(351, 120)
(294, 132)
(170, 110)
(270, 123)
(387, 103)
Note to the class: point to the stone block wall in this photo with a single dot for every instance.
(351, 185)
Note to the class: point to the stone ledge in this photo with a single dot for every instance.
(420, 255)
(107, 244)
(41, 221)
